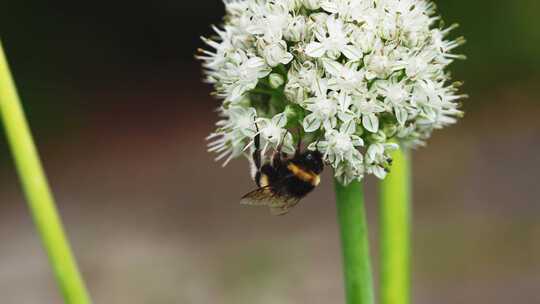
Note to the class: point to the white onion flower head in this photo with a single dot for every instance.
(353, 79)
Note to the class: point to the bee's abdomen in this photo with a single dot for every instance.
(298, 187)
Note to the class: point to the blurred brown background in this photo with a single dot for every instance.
(115, 101)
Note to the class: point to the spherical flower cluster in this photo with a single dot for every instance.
(352, 78)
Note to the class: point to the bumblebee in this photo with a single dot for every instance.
(283, 181)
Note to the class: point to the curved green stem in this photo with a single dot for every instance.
(40, 199)
(355, 243)
(395, 229)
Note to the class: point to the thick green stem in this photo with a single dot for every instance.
(40, 199)
(355, 243)
(395, 229)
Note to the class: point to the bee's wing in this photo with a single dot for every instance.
(257, 197)
(279, 211)
(278, 204)
(263, 197)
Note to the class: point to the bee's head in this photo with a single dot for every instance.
(313, 161)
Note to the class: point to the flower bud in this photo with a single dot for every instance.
(294, 113)
(295, 93)
(379, 137)
(312, 4)
(319, 18)
(276, 80)
(276, 53)
(296, 30)
(390, 130)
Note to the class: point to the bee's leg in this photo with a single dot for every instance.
(257, 178)
(299, 144)
(281, 141)
(256, 163)
(257, 153)
(276, 159)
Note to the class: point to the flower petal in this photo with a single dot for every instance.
(348, 127)
(315, 49)
(330, 6)
(352, 52)
(280, 120)
(401, 115)
(370, 123)
(333, 67)
(311, 123)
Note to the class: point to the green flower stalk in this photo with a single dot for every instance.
(355, 243)
(395, 231)
(38, 194)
